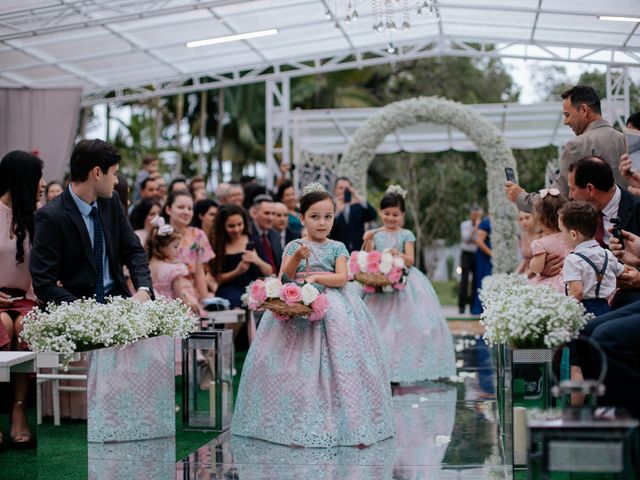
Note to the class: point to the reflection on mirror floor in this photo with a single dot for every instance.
(444, 430)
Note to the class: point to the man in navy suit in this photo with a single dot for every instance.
(281, 224)
(352, 212)
(83, 237)
(265, 238)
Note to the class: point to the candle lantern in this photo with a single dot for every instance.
(207, 380)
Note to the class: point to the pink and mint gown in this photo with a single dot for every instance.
(317, 384)
(415, 335)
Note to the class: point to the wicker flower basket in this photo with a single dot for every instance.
(281, 308)
(372, 279)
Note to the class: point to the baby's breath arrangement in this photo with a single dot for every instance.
(528, 316)
(86, 324)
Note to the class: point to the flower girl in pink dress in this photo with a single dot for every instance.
(546, 213)
(316, 383)
(414, 331)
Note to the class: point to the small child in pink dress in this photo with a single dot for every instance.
(546, 213)
(170, 279)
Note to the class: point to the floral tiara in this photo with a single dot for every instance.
(397, 190)
(313, 187)
(164, 230)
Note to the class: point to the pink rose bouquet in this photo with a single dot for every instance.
(286, 300)
(377, 270)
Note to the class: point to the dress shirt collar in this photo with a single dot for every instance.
(611, 209)
(84, 207)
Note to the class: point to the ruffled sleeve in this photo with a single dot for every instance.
(537, 247)
(408, 236)
(340, 251)
(291, 247)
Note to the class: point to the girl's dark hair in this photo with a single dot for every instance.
(122, 190)
(179, 180)
(220, 233)
(283, 186)
(546, 210)
(20, 174)
(171, 198)
(200, 208)
(155, 242)
(392, 200)
(312, 198)
(139, 213)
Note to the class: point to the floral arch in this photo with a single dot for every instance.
(491, 145)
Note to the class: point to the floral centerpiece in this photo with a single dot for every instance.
(86, 324)
(376, 269)
(528, 316)
(286, 299)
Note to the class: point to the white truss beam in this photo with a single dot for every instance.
(278, 134)
(439, 46)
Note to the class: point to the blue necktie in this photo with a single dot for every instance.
(98, 253)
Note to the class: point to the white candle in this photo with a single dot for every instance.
(520, 433)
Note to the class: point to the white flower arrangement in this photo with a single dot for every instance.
(528, 316)
(492, 147)
(86, 324)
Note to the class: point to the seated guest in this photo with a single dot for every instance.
(85, 225)
(142, 215)
(591, 180)
(236, 264)
(162, 186)
(178, 184)
(54, 188)
(352, 212)
(198, 189)
(195, 250)
(21, 187)
(204, 217)
(266, 239)
(281, 224)
(235, 194)
(150, 167)
(287, 195)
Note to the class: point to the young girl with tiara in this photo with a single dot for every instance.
(316, 383)
(170, 279)
(415, 335)
(546, 209)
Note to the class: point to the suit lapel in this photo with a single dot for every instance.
(625, 208)
(76, 218)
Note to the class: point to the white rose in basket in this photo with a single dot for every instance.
(386, 263)
(309, 293)
(362, 260)
(273, 286)
(398, 262)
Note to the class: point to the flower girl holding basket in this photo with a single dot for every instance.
(309, 381)
(414, 331)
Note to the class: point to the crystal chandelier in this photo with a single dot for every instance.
(387, 15)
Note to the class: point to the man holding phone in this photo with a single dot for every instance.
(352, 212)
(594, 137)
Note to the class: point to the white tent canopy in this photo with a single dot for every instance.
(136, 48)
(523, 127)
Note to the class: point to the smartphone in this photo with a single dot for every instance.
(616, 231)
(511, 176)
(250, 246)
(347, 195)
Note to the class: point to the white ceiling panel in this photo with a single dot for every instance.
(117, 43)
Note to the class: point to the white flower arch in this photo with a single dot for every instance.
(491, 145)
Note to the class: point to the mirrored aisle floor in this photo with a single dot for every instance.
(445, 430)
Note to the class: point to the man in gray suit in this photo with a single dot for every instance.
(594, 137)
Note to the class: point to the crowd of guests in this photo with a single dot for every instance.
(581, 235)
(60, 242)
